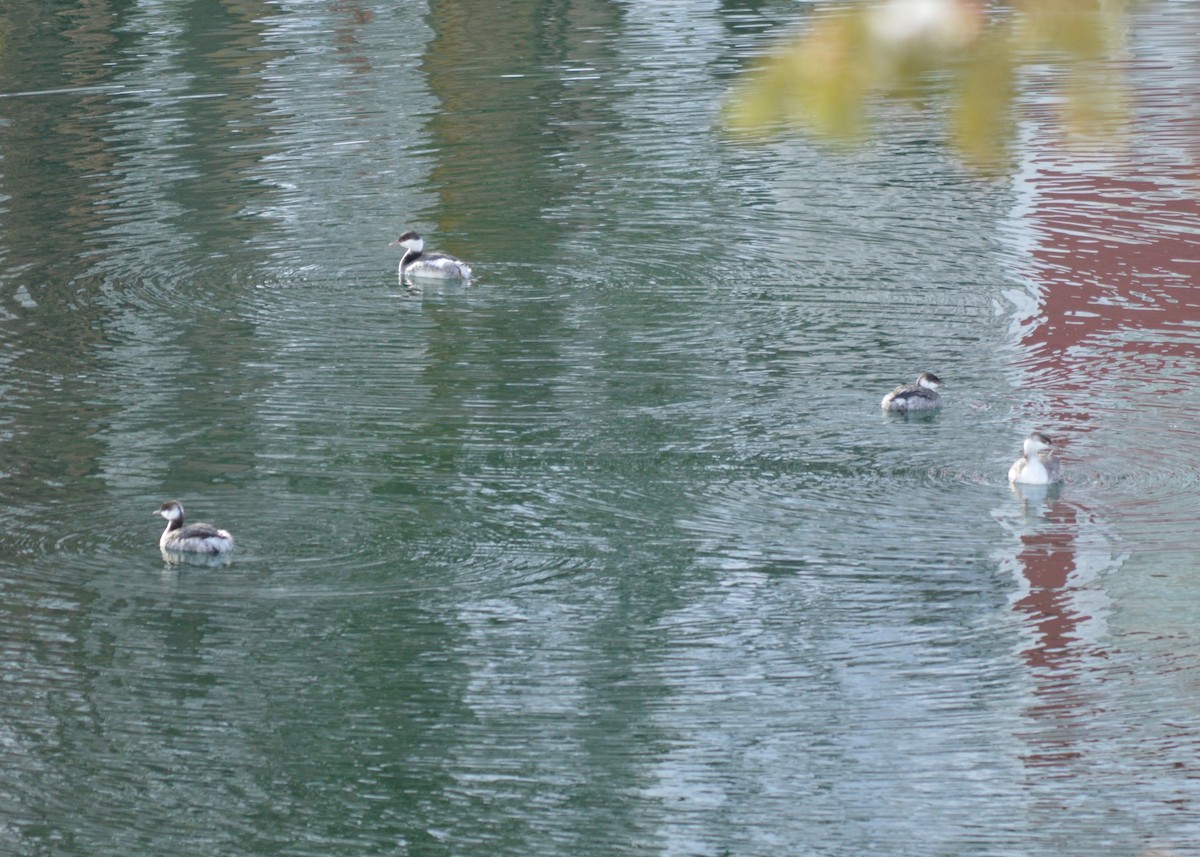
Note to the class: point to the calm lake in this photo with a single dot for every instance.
(612, 551)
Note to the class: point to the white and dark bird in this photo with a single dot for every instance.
(1037, 465)
(190, 538)
(417, 264)
(921, 396)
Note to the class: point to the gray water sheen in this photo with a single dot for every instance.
(612, 551)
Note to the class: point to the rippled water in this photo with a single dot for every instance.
(612, 551)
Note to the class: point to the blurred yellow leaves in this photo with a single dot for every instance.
(957, 55)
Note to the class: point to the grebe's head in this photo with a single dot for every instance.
(929, 381)
(172, 510)
(1037, 442)
(410, 241)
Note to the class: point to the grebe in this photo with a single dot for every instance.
(920, 396)
(194, 538)
(1037, 464)
(416, 263)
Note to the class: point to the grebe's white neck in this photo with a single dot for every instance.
(929, 381)
(1034, 444)
(172, 511)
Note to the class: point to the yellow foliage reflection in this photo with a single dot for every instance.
(959, 55)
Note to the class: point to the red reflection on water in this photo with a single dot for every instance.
(1048, 561)
(1115, 261)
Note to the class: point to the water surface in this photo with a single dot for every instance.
(612, 551)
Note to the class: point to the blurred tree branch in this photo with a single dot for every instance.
(957, 53)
